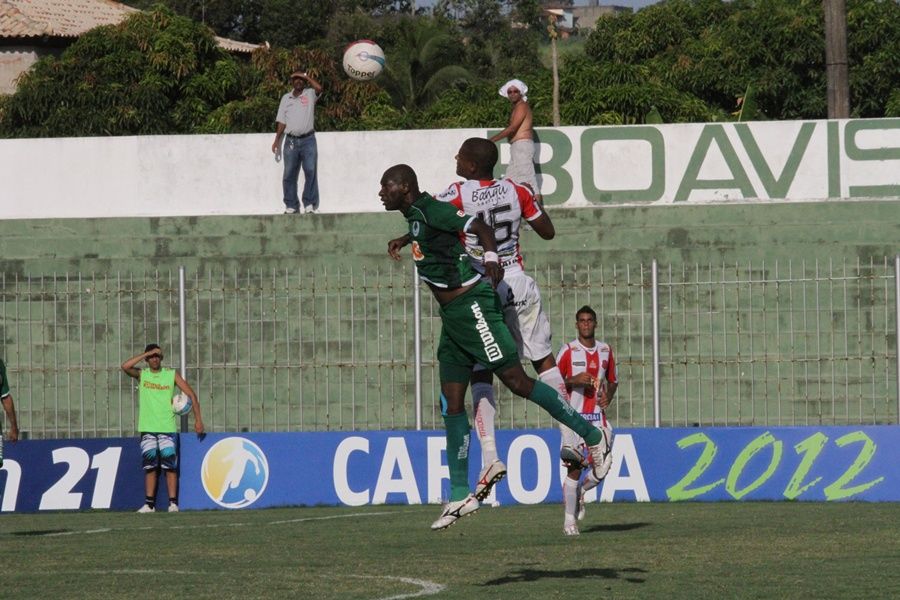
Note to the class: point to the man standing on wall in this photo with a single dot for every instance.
(472, 327)
(157, 423)
(520, 134)
(295, 122)
(589, 369)
(9, 407)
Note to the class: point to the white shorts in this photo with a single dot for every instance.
(524, 314)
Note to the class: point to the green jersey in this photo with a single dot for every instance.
(155, 401)
(435, 228)
(4, 383)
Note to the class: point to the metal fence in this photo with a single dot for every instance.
(793, 343)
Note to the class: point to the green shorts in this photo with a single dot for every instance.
(473, 332)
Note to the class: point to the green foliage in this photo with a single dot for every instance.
(678, 61)
(154, 73)
(714, 50)
(423, 61)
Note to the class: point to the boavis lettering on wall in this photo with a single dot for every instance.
(719, 161)
(578, 166)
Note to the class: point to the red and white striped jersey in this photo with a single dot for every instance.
(502, 204)
(574, 358)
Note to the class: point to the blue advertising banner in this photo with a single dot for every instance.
(742, 463)
(257, 470)
(71, 474)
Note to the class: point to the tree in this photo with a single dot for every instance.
(153, 73)
(715, 51)
(423, 61)
(285, 23)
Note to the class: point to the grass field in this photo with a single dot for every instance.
(691, 550)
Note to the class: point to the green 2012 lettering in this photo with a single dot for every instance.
(836, 490)
(744, 457)
(679, 491)
(810, 448)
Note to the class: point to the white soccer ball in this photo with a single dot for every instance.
(363, 60)
(181, 404)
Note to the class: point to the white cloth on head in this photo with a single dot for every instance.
(515, 83)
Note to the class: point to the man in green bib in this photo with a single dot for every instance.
(158, 424)
(473, 330)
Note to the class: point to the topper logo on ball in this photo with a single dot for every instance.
(363, 60)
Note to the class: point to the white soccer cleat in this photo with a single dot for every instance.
(489, 476)
(146, 509)
(173, 507)
(571, 529)
(571, 456)
(601, 456)
(453, 511)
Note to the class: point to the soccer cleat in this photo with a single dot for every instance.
(173, 507)
(601, 456)
(453, 511)
(571, 456)
(146, 509)
(489, 476)
(579, 509)
(571, 529)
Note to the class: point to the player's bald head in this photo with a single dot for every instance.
(482, 152)
(403, 175)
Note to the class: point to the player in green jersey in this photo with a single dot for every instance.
(473, 330)
(157, 423)
(9, 407)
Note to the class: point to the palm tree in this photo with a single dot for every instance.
(422, 62)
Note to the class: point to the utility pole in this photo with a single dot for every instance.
(836, 59)
(554, 59)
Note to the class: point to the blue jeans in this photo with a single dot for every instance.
(299, 153)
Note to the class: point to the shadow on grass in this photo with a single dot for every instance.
(632, 575)
(614, 527)
(38, 532)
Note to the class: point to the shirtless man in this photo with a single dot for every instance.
(520, 134)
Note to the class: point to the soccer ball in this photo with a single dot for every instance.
(363, 60)
(181, 404)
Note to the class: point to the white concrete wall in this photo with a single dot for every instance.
(582, 166)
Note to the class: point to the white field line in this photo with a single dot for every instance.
(428, 588)
(218, 525)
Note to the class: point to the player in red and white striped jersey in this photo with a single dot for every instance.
(504, 204)
(589, 370)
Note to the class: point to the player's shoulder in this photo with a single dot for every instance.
(602, 346)
(452, 192)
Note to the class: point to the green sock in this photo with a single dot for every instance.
(458, 454)
(547, 398)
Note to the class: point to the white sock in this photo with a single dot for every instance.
(570, 499)
(554, 379)
(485, 410)
(590, 482)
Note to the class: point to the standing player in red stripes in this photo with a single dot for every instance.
(589, 370)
